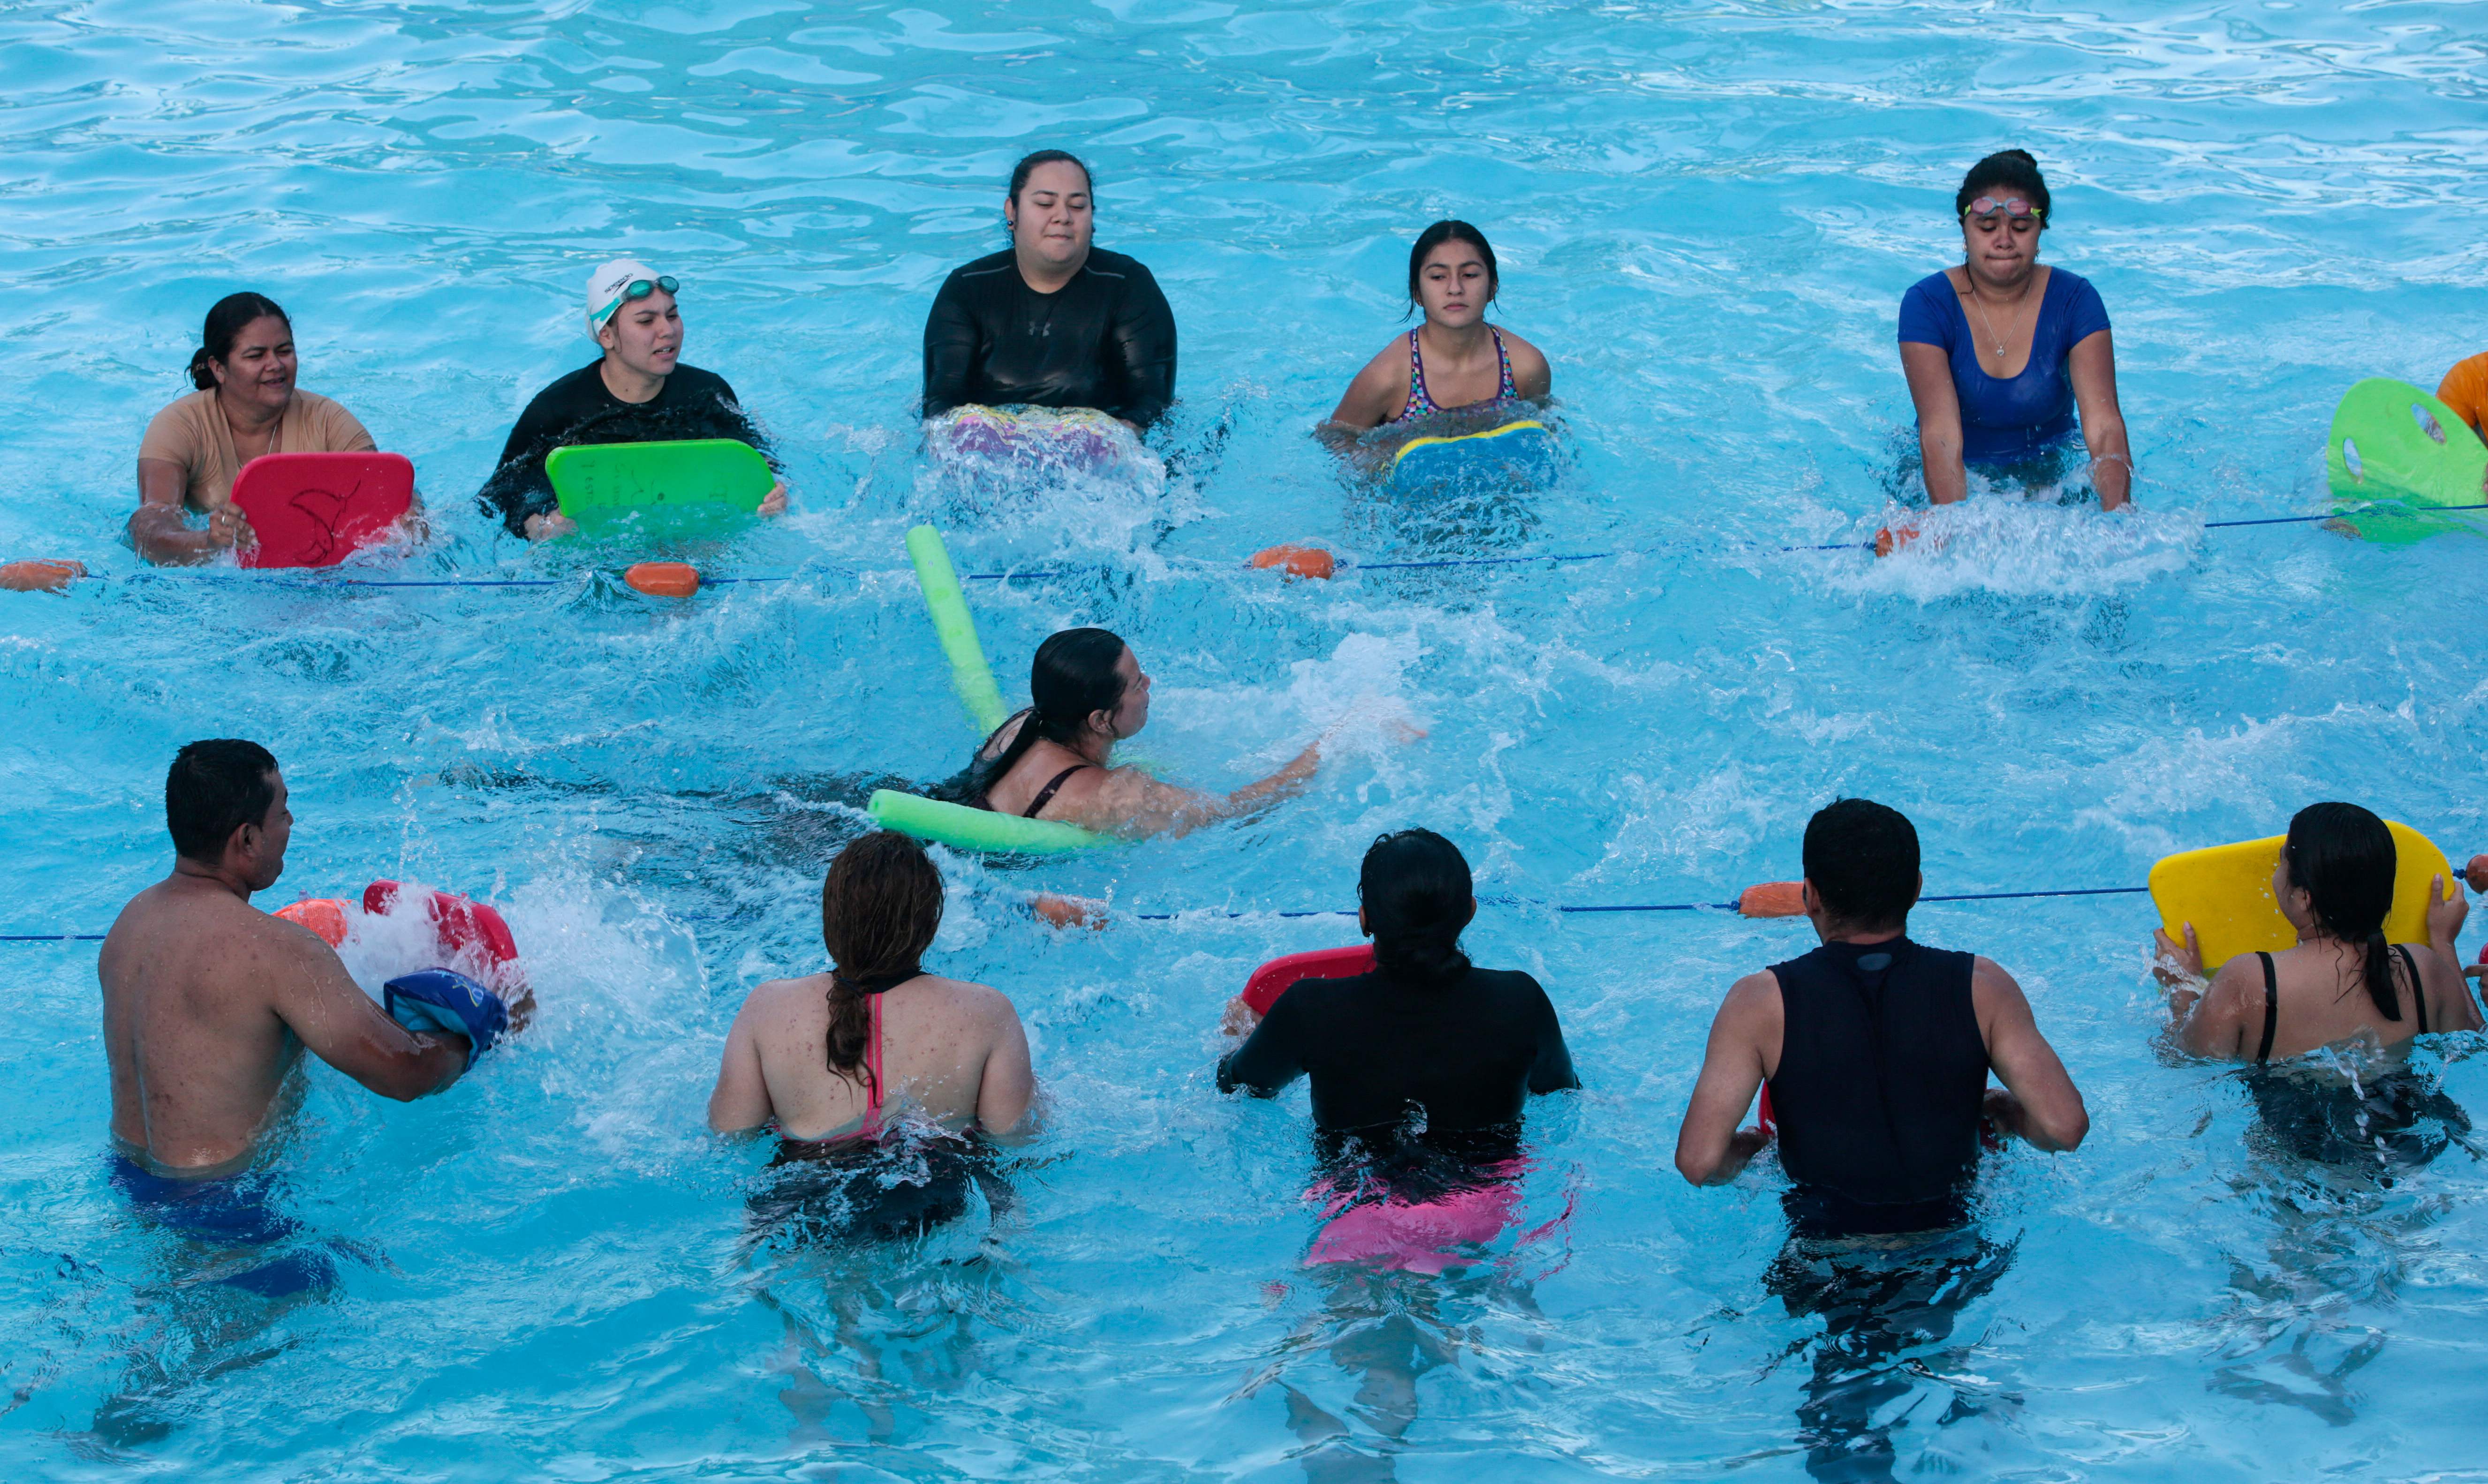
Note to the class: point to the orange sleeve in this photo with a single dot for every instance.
(2465, 389)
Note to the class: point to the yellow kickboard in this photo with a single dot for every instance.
(2225, 891)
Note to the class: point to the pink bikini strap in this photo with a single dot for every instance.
(872, 1063)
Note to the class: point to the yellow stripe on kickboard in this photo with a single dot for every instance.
(2225, 891)
(1463, 437)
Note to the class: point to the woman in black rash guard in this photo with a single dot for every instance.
(1051, 321)
(1429, 1053)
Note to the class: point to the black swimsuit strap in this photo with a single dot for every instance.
(2418, 991)
(878, 985)
(2271, 1009)
(1045, 794)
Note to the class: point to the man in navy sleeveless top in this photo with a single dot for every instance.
(1876, 1050)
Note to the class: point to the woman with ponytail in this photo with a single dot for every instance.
(841, 1062)
(1054, 761)
(2001, 350)
(1427, 1048)
(2343, 989)
(244, 405)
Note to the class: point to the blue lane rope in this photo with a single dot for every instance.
(1346, 565)
(1667, 906)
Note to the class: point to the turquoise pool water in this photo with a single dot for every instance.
(1706, 216)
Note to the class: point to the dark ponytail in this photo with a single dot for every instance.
(881, 904)
(2342, 856)
(1415, 892)
(1074, 674)
(231, 315)
(1435, 236)
(2017, 171)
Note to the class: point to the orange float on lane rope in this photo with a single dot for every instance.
(1772, 899)
(1296, 561)
(663, 579)
(41, 576)
(2477, 873)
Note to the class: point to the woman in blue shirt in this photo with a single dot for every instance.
(2000, 351)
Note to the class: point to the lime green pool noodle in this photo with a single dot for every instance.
(976, 829)
(973, 677)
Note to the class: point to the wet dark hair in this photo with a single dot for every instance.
(214, 788)
(2342, 856)
(1862, 857)
(1072, 675)
(1435, 236)
(1028, 167)
(881, 904)
(2017, 171)
(1416, 895)
(231, 315)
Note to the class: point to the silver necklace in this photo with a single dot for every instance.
(1982, 313)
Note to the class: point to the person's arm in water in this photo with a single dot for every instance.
(336, 1021)
(1929, 368)
(1531, 375)
(2093, 367)
(519, 491)
(739, 1102)
(2038, 1102)
(739, 426)
(2445, 913)
(1006, 1094)
(1711, 1149)
(1373, 398)
(1129, 802)
(160, 533)
(1269, 1059)
(950, 348)
(1143, 347)
(2206, 1018)
(1553, 1072)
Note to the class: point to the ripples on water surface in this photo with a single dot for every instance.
(1705, 217)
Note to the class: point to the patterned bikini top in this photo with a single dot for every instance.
(1422, 402)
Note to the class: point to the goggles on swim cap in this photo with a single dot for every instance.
(1987, 208)
(633, 292)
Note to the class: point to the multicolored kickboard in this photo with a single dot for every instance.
(2394, 444)
(1066, 437)
(693, 487)
(1517, 455)
(2225, 891)
(315, 510)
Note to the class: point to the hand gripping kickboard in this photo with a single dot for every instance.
(2392, 442)
(2225, 891)
(315, 510)
(694, 486)
(1518, 455)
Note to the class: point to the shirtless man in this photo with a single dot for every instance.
(208, 1003)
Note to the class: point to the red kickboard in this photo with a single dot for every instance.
(315, 510)
(1272, 979)
(471, 933)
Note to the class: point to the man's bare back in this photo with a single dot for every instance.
(208, 1003)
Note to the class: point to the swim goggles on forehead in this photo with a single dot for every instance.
(1987, 208)
(635, 291)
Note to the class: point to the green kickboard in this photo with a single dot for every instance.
(2395, 444)
(694, 486)
(976, 829)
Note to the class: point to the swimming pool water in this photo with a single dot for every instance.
(1706, 216)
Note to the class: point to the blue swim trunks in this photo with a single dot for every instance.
(225, 1211)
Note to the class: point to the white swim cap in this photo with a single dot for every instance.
(605, 287)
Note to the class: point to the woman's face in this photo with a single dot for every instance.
(645, 335)
(1132, 712)
(1052, 219)
(259, 370)
(1999, 237)
(1454, 285)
